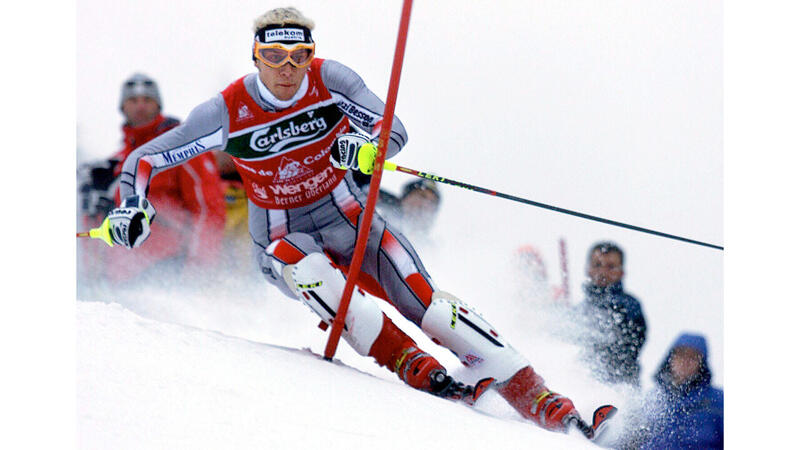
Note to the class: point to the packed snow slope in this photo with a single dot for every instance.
(612, 109)
(232, 363)
(149, 384)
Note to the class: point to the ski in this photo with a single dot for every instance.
(471, 394)
(599, 422)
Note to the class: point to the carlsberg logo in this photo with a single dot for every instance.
(275, 138)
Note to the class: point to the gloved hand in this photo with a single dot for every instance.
(97, 184)
(129, 225)
(354, 151)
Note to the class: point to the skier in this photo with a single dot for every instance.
(288, 129)
(188, 232)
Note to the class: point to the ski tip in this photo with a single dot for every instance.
(479, 389)
(482, 386)
(601, 415)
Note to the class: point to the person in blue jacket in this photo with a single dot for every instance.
(687, 412)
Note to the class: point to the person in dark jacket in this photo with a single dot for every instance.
(415, 209)
(686, 412)
(614, 324)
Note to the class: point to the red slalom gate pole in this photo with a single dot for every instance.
(562, 252)
(374, 185)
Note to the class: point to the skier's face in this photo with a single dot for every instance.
(283, 81)
(605, 269)
(140, 110)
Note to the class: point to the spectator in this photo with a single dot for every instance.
(419, 204)
(415, 209)
(189, 197)
(683, 411)
(614, 322)
(236, 240)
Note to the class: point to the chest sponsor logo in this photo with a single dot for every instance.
(311, 186)
(295, 131)
(243, 112)
(289, 170)
(259, 191)
(261, 172)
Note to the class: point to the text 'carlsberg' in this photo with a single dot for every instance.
(264, 140)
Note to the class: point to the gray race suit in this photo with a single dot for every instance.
(327, 225)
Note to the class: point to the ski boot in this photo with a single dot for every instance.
(443, 385)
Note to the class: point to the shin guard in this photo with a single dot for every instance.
(320, 285)
(454, 325)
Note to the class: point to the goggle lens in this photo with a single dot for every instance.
(277, 55)
(146, 83)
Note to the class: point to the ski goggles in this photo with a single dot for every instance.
(276, 54)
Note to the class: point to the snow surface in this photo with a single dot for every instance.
(611, 108)
(148, 384)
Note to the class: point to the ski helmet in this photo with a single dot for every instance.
(139, 85)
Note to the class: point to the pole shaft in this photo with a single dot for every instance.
(439, 179)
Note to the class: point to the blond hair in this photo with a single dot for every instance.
(282, 16)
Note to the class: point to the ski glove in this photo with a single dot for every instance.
(354, 151)
(129, 225)
(97, 185)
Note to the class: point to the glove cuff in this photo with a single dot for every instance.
(366, 158)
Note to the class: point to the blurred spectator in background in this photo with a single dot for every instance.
(613, 320)
(683, 411)
(191, 209)
(237, 240)
(415, 210)
(419, 205)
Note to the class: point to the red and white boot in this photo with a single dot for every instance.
(526, 392)
(395, 350)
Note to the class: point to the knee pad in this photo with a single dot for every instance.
(451, 323)
(320, 286)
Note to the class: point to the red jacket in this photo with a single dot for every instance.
(190, 211)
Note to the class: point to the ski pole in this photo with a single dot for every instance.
(394, 167)
(103, 232)
(372, 197)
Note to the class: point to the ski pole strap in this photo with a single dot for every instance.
(394, 167)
